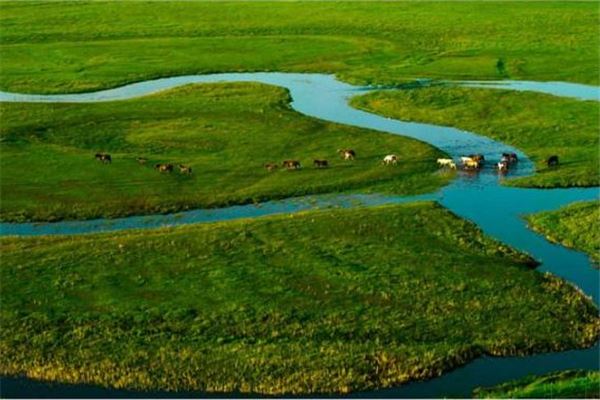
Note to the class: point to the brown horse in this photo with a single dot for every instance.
(104, 158)
(271, 166)
(164, 167)
(291, 164)
(320, 163)
(185, 169)
(347, 154)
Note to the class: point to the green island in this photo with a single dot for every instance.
(57, 47)
(326, 301)
(575, 384)
(225, 132)
(576, 225)
(540, 125)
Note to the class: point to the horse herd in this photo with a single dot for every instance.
(472, 162)
(160, 167)
(346, 154)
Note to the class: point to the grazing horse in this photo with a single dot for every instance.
(552, 161)
(291, 164)
(320, 163)
(390, 159)
(185, 169)
(271, 166)
(104, 157)
(502, 166)
(164, 167)
(141, 160)
(347, 154)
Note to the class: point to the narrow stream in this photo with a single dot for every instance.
(480, 198)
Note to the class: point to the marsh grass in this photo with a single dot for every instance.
(58, 47)
(326, 301)
(575, 384)
(538, 124)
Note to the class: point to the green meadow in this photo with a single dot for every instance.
(557, 385)
(576, 226)
(80, 46)
(540, 125)
(225, 132)
(325, 301)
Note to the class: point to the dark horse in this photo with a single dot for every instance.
(105, 158)
(552, 161)
(320, 163)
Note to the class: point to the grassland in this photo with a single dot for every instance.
(325, 301)
(576, 225)
(540, 125)
(556, 385)
(226, 132)
(80, 46)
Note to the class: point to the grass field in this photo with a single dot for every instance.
(576, 225)
(556, 385)
(540, 125)
(80, 46)
(324, 301)
(226, 132)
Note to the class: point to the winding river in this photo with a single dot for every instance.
(480, 198)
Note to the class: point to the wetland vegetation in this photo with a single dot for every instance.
(225, 132)
(540, 125)
(57, 47)
(323, 301)
(576, 225)
(574, 384)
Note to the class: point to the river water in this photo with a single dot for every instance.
(480, 198)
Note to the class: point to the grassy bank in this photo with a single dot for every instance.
(326, 301)
(556, 385)
(226, 132)
(540, 125)
(577, 226)
(79, 46)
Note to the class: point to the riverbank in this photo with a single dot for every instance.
(576, 226)
(168, 308)
(540, 125)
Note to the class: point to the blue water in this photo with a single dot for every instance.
(496, 209)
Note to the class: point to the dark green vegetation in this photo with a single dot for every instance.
(226, 132)
(556, 385)
(540, 125)
(577, 226)
(77, 46)
(326, 301)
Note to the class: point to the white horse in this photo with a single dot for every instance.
(390, 159)
(443, 162)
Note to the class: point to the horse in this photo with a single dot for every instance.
(552, 161)
(164, 167)
(511, 158)
(471, 164)
(271, 166)
(185, 169)
(347, 154)
(477, 157)
(446, 162)
(390, 159)
(502, 166)
(320, 163)
(291, 164)
(104, 158)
